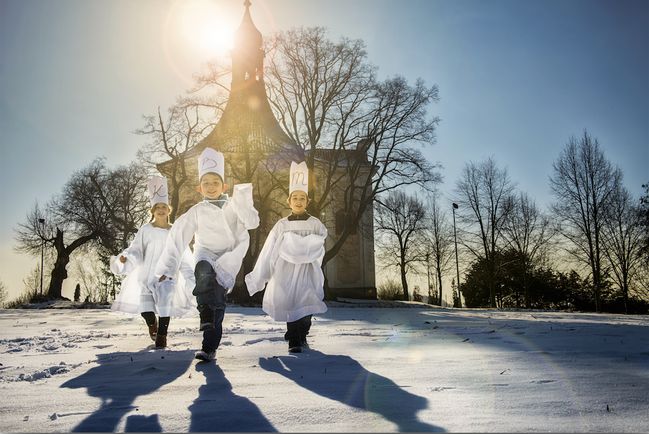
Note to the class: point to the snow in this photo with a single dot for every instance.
(369, 369)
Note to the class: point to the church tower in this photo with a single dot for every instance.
(248, 53)
(248, 123)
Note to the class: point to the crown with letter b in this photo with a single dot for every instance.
(211, 161)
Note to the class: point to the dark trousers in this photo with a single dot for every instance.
(210, 297)
(296, 331)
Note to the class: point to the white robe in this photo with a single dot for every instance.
(291, 263)
(220, 236)
(140, 291)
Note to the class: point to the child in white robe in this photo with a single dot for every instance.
(140, 292)
(291, 263)
(219, 226)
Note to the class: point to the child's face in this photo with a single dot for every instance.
(160, 211)
(211, 186)
(297, 201)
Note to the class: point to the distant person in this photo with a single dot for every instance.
(140, 291)
(219, 226)
(291, 263)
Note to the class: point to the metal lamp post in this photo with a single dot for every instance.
(42, 222)
(457, 265)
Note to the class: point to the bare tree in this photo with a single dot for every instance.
(31, 282)
(124, 195)
(583, 182)
(87, 211)
(361, 137)
(401, 218)
(171, 136)
(357, 132)
(437, 243)
(622, 237)
(485, 190)
(528, 232)
(64, 236)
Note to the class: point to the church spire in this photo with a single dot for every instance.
(248, 53)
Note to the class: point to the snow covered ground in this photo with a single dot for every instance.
(369, 370)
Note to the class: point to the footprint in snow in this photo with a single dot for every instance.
(256, 341)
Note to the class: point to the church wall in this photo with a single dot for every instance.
(351, 272)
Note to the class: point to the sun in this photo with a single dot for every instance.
(205, 26)
(216, 39)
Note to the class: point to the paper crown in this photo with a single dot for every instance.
(299, 178)
(211, 161)
(158, 191)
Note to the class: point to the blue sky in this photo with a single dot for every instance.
(516, 80)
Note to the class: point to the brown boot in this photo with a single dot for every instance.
(161, 341)
(153, 330)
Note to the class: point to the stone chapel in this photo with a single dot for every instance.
(257, 150)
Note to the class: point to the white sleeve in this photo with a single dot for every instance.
(180, 234)
(134, 255)
(227, 266)
(261, 274)
(243, 205)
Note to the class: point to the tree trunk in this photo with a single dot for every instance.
(60, 272)
(439, 282)
(596, 289)
(404, 283)
(492, 283)
(625, 291)
(528, 301)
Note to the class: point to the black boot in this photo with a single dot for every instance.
(294, 339)
(206, 357)
(152, 324)
(161, 336)
(160, 341)
(305, 326)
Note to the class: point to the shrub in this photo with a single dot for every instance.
(25, 298)
(390, 289)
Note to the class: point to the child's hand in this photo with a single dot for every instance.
(122, 259)
(162, 278)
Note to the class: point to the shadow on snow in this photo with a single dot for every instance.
(218, 409)
(122, 377)
(343, 379)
